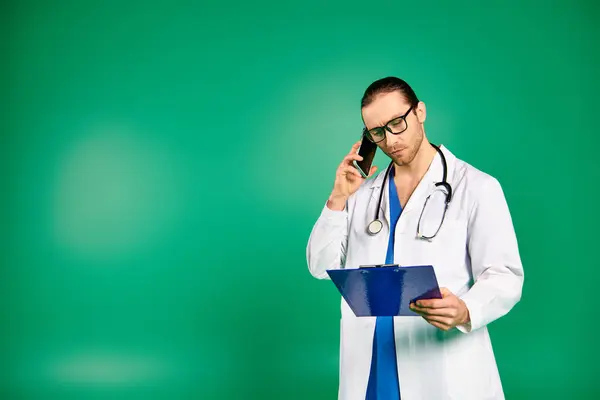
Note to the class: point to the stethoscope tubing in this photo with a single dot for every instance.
(375, 226)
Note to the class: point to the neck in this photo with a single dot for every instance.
(419, 165)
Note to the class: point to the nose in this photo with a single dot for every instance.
(390, 138)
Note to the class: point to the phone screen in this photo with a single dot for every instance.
(367, 152)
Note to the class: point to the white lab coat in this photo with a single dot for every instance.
(475, 255)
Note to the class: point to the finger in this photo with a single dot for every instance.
(434, 303)
(440, 319)
(441, 324)
(355, 147)
(372, 171)
(439, 312)
(348, 159)
(446, 292)
(351, 171)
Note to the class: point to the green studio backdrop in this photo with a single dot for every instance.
(163, 164)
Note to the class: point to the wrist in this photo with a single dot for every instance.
(336, 202)
(466, 315)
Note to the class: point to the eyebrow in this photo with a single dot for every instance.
(381, 126)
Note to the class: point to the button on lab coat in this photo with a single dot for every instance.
(475, 255)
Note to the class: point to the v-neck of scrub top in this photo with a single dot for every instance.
(395, 211)
(383, 379)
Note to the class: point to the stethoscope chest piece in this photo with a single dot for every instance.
(375, 227)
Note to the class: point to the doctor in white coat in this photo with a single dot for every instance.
(445, 351)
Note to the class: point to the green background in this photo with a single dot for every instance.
(163, 164)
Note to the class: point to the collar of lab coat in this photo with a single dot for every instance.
(433, 175)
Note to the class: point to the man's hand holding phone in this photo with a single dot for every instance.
(347, 179)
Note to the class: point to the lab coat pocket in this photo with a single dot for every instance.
(447, 248)
(469, 371)
(451, 240)
(446, 252)
(450, 254)
(356, 346)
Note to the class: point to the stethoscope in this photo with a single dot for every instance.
(376, 225)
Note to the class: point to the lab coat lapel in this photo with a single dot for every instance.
(425, 186)
(434, 174)
(377, 186)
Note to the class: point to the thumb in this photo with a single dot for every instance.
(372, 171)
(445, 292)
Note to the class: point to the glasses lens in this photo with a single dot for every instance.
(397, 125)
(376, 135)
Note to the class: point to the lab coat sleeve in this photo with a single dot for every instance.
(495, 261)
(328, 240)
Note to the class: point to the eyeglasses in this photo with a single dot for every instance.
(394, 126)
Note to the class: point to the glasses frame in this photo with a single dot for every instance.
(367, 132)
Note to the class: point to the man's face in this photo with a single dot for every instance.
(403, 147)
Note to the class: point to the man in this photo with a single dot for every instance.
(444, 352)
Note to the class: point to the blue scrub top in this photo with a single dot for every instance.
(383, 379)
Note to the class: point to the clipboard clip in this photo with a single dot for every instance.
(378, 266)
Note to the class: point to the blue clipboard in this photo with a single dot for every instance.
(385, 290)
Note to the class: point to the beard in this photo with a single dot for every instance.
(409, 154)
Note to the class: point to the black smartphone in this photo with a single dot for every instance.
(367, 151)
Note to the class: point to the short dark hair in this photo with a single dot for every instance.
(387, 85)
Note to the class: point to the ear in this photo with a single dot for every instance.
(421, 112)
